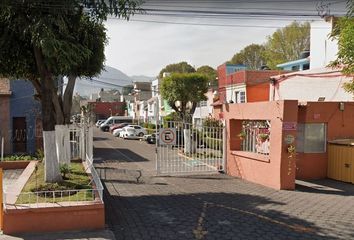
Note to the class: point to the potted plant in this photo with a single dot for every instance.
(242, 135)
(263, 137)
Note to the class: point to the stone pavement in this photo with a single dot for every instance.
(79, 235)
(10, 176)
(213, 206)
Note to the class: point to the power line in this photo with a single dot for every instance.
(210, 24)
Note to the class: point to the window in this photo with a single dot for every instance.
(137, 127)
(295, 68)
(255, 136)
(240, 97)
(311, 138)
(203, 103)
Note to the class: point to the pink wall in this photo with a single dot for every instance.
(275, 170)
(54, 219)
(339, 125)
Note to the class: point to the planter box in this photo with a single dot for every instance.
(49, 217)
(54, 219)
(6, 165)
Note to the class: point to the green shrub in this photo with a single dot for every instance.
(40, 154)
(19, 158)
(150, 130)
(64, 169)
(213, 143)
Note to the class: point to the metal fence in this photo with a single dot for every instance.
(256, 137)
(81, 142)
(183, 148)
(75, 142)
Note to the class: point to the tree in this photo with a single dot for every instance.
(183, 91)
(344, 33)
(181, 67)
(127, 89)
(210, 73)
(287, 43)
(251, 56)
(41, 40)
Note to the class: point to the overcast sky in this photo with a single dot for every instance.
(195, 31)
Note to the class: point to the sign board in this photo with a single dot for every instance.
(289, 126)
(167, 136)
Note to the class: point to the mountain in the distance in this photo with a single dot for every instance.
(142, 78)
(110, 78)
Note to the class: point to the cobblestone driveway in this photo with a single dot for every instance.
(213, 206)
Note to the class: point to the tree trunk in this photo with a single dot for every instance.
(68, 98)
(62, 140)
(52, 173)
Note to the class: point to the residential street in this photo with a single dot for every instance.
(212, 206)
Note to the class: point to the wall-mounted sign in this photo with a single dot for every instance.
(289, 139)
(168, 136)
(289, 126)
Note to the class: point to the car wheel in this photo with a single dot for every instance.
(141, 134)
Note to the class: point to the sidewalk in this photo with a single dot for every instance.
(78, 235)
(213, 206)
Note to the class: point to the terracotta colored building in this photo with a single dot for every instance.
(103, 110)
(238, 85)
(274, 143)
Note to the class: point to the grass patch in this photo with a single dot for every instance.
(77, 181)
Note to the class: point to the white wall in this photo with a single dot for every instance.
(311, 89)
(323, 50)
(230, 92)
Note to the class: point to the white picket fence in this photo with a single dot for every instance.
(76, 142)
(73, 142)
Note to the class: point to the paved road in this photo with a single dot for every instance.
(212, 206)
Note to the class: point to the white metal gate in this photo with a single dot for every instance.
(183, 148)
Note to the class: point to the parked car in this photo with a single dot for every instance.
(152, 138)
(117, 126)
(139, 131)
(116, 132)
(99, 122)
(129, 133)
(114, 120)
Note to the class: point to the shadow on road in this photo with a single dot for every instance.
(203, 216)
(119, 155)
(100, 138)
(325, 186)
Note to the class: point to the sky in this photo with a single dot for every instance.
(201, 32)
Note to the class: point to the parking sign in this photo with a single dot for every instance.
(168, 136)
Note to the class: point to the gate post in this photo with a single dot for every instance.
(224, 147)
(1, 202)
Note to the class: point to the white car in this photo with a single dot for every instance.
(99, 122)
(116, 132)
(132, 131)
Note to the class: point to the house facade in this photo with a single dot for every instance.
(319, 82)
(204, 109)
(238, 85)
(20, 118)
(104, 110)
(296, 146)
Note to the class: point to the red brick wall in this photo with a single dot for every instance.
(105, 108)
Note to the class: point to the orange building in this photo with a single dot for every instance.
(238, 85)
(274, 143)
